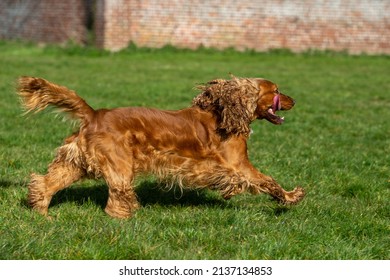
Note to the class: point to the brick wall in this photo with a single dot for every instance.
(48, 21)
(354, 25)
(114, 22)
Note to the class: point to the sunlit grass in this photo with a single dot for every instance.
(335, 143)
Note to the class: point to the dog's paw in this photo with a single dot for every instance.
(294, 196)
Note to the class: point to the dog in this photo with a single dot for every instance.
(202, 146)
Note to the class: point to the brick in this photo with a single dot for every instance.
(357, 26)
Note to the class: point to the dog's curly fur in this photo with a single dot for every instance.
(203, 146)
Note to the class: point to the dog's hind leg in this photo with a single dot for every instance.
(118, 174)
(122, 200)
(62, 172)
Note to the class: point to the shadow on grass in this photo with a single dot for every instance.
(152, 193)
(4, 183)
(148, 193)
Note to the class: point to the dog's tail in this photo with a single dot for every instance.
(37, 94)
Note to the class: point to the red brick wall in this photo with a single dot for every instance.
(353, 25)
(48, 21)
(113, 23)
(358, 26)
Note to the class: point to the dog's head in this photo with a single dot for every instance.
(239, 101)
(270, 101)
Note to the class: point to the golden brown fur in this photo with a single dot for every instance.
(203, 146)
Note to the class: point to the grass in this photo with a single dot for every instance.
(335, 143)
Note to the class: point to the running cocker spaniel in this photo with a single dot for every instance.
(203, 146)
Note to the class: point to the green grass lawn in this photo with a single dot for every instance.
(335, 143)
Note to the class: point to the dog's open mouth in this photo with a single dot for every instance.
(271, 112)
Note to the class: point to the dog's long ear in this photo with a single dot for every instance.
(233, 102)
(207, 99)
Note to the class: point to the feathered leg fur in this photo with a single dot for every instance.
(62, 172)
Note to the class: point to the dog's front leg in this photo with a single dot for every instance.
(269, 185)
(260, 183)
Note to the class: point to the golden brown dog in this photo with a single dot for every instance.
(203, 146)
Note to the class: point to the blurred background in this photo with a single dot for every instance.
(354, 26)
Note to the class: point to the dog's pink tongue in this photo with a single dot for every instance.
(276, 105)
